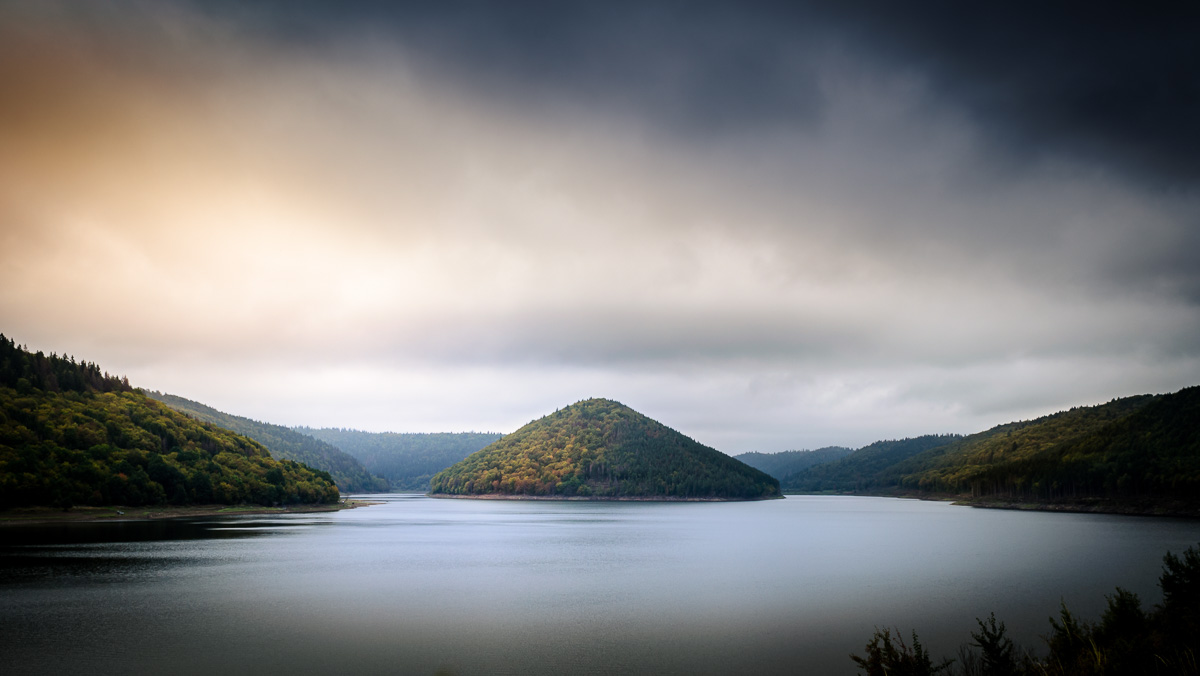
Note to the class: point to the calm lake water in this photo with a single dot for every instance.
(418, 586)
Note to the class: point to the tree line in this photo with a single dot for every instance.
(1128, 639)
(27, 371)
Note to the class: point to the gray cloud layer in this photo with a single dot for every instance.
(1112, 82)
(770, 227)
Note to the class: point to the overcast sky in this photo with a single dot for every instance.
(768, 227)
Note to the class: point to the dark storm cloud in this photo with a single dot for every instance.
(825, 223)
(694, 66)
(1116, 84)
(1113, 83)
(1111, 88)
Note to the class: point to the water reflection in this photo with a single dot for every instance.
(415, 585)
(116, 550)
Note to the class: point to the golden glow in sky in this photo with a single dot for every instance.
(356, 233)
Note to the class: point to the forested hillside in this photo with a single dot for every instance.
(600, 448)
(286, 444)
(407, 460)
(860, 471)
(70, 434)
(1136, 447)
(1138, 453)
(786, 463)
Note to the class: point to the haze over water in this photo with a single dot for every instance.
(417, 585)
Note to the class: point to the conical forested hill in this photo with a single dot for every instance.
(602, 449)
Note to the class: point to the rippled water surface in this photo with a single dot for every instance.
(418, 586)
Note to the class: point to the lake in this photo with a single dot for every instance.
(425, 586)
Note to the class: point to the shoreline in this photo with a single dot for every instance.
(1080, 506)
(41, 516)
(592, 498)
(1174, 510)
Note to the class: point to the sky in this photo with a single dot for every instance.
(769, 226)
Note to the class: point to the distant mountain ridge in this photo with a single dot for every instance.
(72, 434)
(786, 463)
(860, 470)
(407, 460)
(285, 444)
(600, 448)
